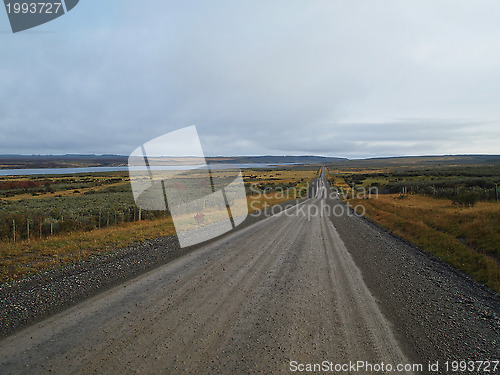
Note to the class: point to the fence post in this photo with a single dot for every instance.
(496, 192)
(14, 229)
(28, 228)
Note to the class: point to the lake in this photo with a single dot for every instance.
(62, 171)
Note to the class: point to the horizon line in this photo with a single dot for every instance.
(258, 156)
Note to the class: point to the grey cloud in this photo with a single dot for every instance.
(286, 77)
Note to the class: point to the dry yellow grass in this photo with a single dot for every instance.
(277, 176)
(27, 257)
(300, 178)
(259, 202)
(466, 238)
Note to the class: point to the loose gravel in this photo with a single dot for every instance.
(32, 299)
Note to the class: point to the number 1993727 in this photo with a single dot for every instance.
(472, 366)
(34, 7)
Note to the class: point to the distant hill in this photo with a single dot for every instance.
(60, 161)
(270, 159)
(412, 161)
(68, 161)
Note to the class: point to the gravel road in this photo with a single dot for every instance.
(300, 287)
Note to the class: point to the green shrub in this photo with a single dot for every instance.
(465, 199)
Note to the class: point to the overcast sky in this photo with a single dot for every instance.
(345, 78)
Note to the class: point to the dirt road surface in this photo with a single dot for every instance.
(310, 284)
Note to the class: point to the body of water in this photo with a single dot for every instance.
(64, 171)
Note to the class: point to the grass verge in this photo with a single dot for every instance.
(23, 258)
(466, 238)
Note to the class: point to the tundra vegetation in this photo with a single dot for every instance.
(49, 221)
(450, 211)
